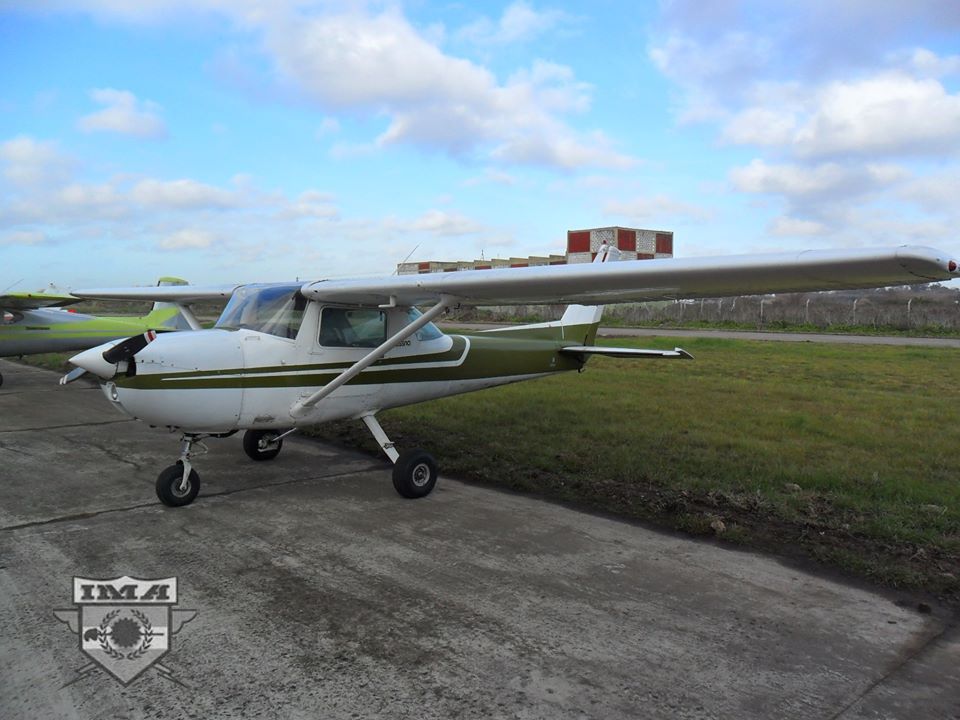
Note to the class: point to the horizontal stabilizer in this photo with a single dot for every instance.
(678, 353)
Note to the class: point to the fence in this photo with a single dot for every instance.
(935, 308)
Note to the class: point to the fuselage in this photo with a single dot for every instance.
(249, 374)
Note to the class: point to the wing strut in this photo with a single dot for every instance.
(189, 316)
(302, 406)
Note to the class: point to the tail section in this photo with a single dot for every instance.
(577, 329)
(579, 323)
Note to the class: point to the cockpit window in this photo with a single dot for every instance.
(428, 331)
(352, 327)
(272, 309)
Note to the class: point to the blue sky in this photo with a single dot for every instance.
(243, 140)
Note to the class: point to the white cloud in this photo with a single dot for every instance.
(815, 189)
(794, 227)
(441, 223)
(23, 237)
(937, 193)
(492, 176)
(381, 64)
(520, 22)
(178, 194)
(711, 71)
(257, 234)
(925, 63)
(761, 177)
(312, 203)
(29, 162)
(189, 239)
(761, 126)
(328, 126)
(657, 208)
(889, 114)
(124, 114)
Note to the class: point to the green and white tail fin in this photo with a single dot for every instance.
(582, 321)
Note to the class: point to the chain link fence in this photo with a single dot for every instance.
(935, 307)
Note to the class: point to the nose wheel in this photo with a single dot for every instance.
(175, 487)
(179, 484)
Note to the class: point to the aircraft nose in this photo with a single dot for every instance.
(92, 360)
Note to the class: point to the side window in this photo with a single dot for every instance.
(360, 327)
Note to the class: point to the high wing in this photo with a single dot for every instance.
(664, 279)
(601, 283)
(35, 300)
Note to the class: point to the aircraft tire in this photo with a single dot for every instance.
(1, 379)
(251, 445)
(414, 474)
(168, 486)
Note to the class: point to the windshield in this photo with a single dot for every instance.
(272, 309)
(428, 331)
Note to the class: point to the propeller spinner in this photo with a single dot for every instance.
(103, 360)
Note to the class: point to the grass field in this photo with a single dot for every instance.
(840, 453)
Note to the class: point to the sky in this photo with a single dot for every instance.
(240, 140)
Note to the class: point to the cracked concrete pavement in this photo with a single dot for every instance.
(321, 593)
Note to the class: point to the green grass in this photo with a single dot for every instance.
(868, 434)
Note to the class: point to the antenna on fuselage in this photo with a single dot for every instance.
(8, 287)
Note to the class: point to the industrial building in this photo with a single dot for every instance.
(582, 246)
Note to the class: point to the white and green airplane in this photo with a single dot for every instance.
(36, 322)
(286, 355)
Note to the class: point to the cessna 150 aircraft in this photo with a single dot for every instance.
(34, 322)
(291, 354)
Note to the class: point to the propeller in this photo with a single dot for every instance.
(72, 375)
(103, 363)
(129, 347)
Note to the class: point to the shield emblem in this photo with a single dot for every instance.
(125, 640)
(125, 624)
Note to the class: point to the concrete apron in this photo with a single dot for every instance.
(321, 593)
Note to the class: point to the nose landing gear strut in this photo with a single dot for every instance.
(179, 483)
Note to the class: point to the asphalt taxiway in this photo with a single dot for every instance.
(321, 593)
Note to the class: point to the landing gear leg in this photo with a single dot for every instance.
(414, 471)
(263, 444)
(179, 484)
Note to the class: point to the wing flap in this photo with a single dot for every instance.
(663, 279)
(635, 353)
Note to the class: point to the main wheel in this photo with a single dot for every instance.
(169, 488)
(261, 444)
(414, 474)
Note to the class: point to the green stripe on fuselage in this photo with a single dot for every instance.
(488, 357)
